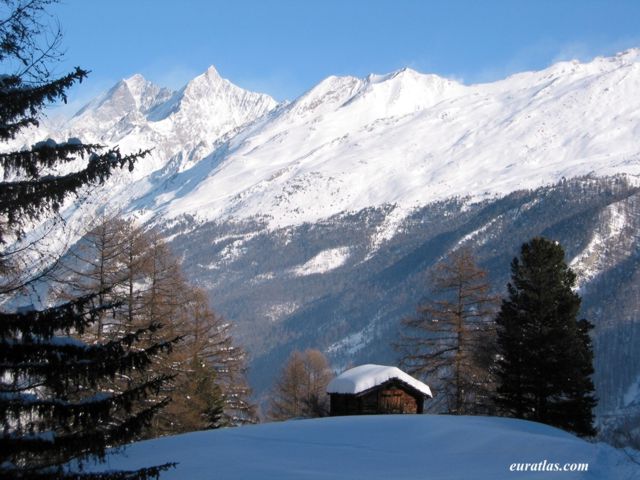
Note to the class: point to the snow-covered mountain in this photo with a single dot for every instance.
(312, 223)
(410, 139)
(404, 138)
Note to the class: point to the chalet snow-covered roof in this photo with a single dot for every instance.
(364, 377)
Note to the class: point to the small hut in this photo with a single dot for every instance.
(372, 389)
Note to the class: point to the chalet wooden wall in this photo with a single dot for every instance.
(391, 397)
(396, 400)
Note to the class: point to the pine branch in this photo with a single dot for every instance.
(30, 199)
(20, 103)
(43, 155)
(70, 316)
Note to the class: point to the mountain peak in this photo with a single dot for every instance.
(407, 72)
(327, 95)
(212, 73)
(630, 55)
(135, 81)
(209, 106)
(144, 93)
(128, 98)
(210, 77)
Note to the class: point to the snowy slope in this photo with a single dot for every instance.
(378, 447)
(409, 139)
(403, 138)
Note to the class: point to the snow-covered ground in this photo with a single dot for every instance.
(323, 262)
(380, 447)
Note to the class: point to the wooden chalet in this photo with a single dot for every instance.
(376, 389)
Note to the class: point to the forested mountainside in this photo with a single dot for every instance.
(343, 284)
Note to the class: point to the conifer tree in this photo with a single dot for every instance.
(55, 416)
(447, 341)
(545, 354)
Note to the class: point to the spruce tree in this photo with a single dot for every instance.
(545, 359)
(55, 416)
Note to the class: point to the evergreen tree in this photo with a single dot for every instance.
(449, 341)
(545, 357)
(54, 414)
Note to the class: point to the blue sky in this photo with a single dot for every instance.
(284, 47)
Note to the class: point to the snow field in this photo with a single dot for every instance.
(378, 447)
